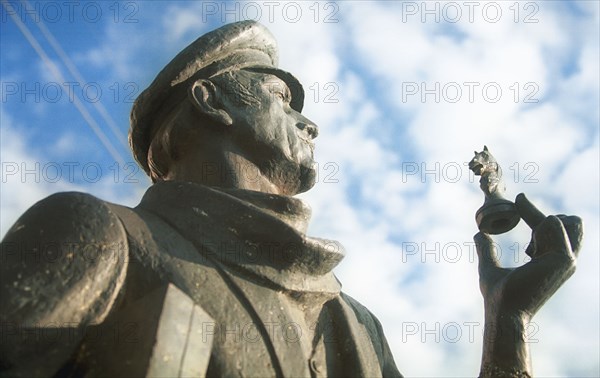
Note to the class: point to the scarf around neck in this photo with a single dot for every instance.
(257, 234)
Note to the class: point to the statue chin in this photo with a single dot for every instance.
(308, 177)
(291, 177)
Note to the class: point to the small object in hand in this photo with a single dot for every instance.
(497, 215)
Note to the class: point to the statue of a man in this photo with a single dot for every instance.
(212, 273)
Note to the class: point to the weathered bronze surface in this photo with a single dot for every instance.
(497, 215)
(213, 273)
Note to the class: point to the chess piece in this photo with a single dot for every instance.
(497, 215)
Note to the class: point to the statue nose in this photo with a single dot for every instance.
(309, 128)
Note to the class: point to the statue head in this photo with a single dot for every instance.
(222, 103)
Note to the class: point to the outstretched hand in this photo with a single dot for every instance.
(521, 291)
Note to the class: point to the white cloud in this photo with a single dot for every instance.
(16, 195)
(181, 21)
(117, 54)
(27, 177)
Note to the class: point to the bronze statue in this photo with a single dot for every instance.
(213, 273)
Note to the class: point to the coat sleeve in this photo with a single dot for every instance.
(389, 368)
(62, 265)
(375, 330)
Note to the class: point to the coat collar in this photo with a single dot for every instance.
(257, 234)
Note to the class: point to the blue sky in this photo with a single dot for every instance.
(403, 93)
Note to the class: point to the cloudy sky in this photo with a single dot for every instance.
(403, 93)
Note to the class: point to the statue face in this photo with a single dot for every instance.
(269, 133)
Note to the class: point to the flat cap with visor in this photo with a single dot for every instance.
(241, 45)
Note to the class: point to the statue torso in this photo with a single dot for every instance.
(275, 304)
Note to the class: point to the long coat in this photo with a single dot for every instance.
(193, 281)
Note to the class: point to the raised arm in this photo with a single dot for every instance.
(513, 296)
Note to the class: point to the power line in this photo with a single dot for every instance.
(59, 77)
(79, 78)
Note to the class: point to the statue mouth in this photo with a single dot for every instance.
(306, 140)
(307, 134)
(310, 144)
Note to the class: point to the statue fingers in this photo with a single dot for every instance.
(528, 212)
(551, 237)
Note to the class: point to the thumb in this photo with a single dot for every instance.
(486, 253)
(528, 212)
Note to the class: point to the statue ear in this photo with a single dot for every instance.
(485, 148)
(203, 95)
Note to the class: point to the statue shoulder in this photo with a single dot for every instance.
(62, 266)
(63, 261)
(361, 311)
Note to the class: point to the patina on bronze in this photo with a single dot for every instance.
(212, 274)
(497, 215)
